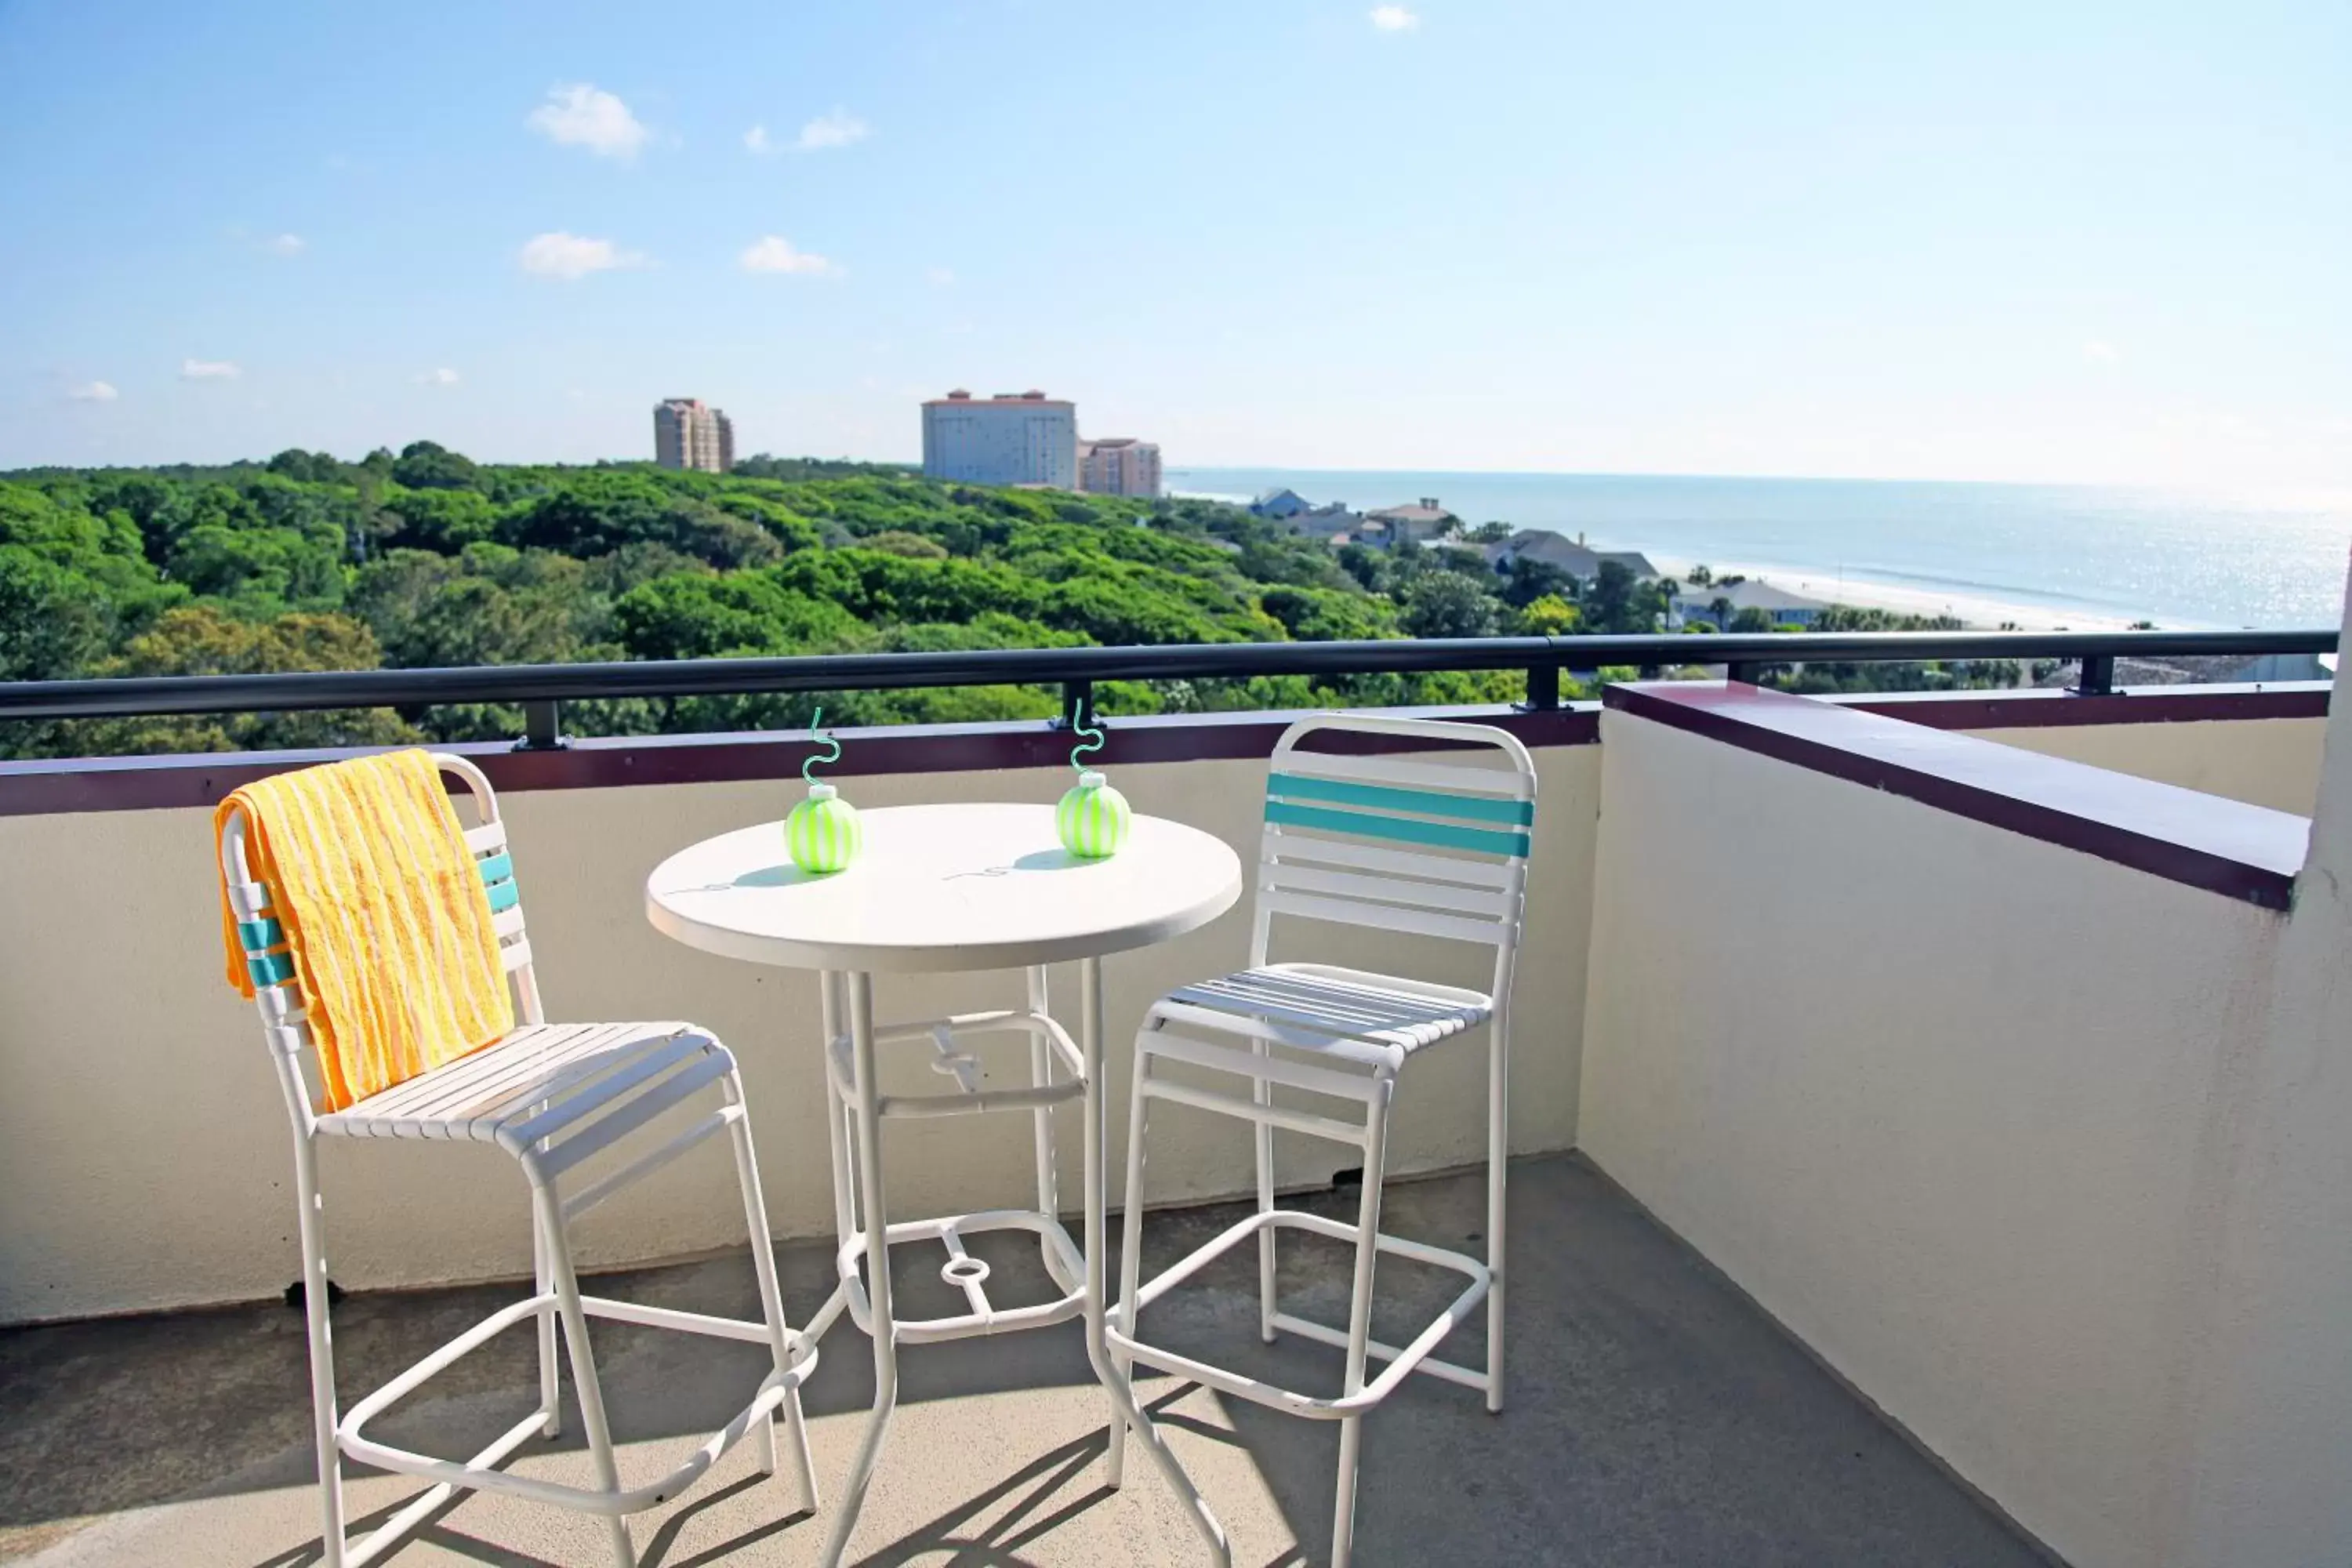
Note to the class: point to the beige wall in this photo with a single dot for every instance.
(2262, 762)
(1944, 1099)
(2270, 1458)
(144, 1156)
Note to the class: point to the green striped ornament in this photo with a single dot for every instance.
(822, 834)
(1093, 818)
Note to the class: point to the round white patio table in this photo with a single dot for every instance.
(950, 889)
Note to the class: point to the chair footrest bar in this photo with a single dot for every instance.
(803, 1349)
(473, 1339)
(1323, 1333)
(582, 1500)
(1410, 1358)
(478, 1473)
(395, 1529)
(1314, 1126)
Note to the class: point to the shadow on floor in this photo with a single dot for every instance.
(1655, 1416)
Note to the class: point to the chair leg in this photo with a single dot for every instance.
(322, 1355)
(1498, 1162)
(550, 1398)
(1360, 1321)
(1131, 1237)
(772, 1303)
(584, 1365)
(1262, 1092)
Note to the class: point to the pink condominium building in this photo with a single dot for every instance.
(1119, 466)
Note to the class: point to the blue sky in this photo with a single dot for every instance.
(2000, 241)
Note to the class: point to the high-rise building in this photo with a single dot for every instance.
(690, 433)
(1013, 438)
(1119, 466)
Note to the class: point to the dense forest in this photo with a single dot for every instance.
(425, 558)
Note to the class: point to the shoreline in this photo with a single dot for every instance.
(1976, 612)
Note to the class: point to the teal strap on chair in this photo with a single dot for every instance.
(1403, 829)
(497, 876)
(271, 968)
(259, 936)
(1388, 797)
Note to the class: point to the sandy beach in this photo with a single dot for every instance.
(1975, 612)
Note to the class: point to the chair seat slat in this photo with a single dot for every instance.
(1388, 890)
(1383, 917)
(1293, 847)
(435, 1093)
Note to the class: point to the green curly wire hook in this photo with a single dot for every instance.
(1093, 739)
(808, 775)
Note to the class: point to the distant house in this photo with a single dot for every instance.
(1572, 556)
(1717, 604)
(1421, 522)
(1327, 522)
(1278, 504)
(1333, 525)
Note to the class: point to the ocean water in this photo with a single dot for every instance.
(2177, 558)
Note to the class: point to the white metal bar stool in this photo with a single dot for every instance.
(551, 1095)
(1431, 848)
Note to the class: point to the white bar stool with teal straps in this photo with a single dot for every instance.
(1422, 843)
(556, 1097)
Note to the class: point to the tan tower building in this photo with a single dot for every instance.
(690, 433)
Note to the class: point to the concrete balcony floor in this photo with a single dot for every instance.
(1656, 1417)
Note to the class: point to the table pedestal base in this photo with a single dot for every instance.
(854, 1114)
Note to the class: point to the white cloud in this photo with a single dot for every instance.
(757, 141)
(209, 370)
(2099, 352)
(93, 392)
(580, 115)
(443, 377)
(941, 277)
(286, 245)
(1394, 20)
(775, 253)
(572, 256)
(838, 129)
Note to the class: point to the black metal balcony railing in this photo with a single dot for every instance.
(539, 688)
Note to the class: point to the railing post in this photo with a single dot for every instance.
(2098, 678)
(1077, 703)
(1746, 671)
(542, 727)
(1543, 688)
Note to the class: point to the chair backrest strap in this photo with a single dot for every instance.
(1436, 848)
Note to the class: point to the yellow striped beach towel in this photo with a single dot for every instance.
(384, 913)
